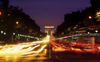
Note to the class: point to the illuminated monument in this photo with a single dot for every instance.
(49, 30)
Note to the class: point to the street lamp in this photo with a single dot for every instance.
(13, 33)
(90, 17)
(17, 22)
(0, 13)
(8, 14)
(1, 31)
(96, 31)
(4, 33)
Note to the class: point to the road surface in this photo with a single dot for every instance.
(41, 51)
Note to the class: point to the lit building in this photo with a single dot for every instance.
(49, 30)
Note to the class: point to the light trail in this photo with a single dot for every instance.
(27, 49)
(58, 47)
(37, 52)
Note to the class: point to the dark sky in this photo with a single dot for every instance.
(50, 12)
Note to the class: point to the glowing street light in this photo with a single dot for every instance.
(0, 13)
(1, 31)
(90, 17)
(13, 33)
(8, 14)
(17, 22)
(4, 33)
(88, 32)
(96, 31)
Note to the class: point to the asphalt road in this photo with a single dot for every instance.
(45, 55)
(77, 57)
(67, 56)
(51, 56)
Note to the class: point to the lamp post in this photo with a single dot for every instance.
(90, 20)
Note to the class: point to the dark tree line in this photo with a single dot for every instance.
(95, 4)
(14, 20)
(78, 19)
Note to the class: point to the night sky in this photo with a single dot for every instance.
(49, 12)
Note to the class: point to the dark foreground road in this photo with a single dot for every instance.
(77, 57)
(69, 57)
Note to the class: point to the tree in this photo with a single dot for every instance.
(11, 14)
(98, 16)
(95, 4)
